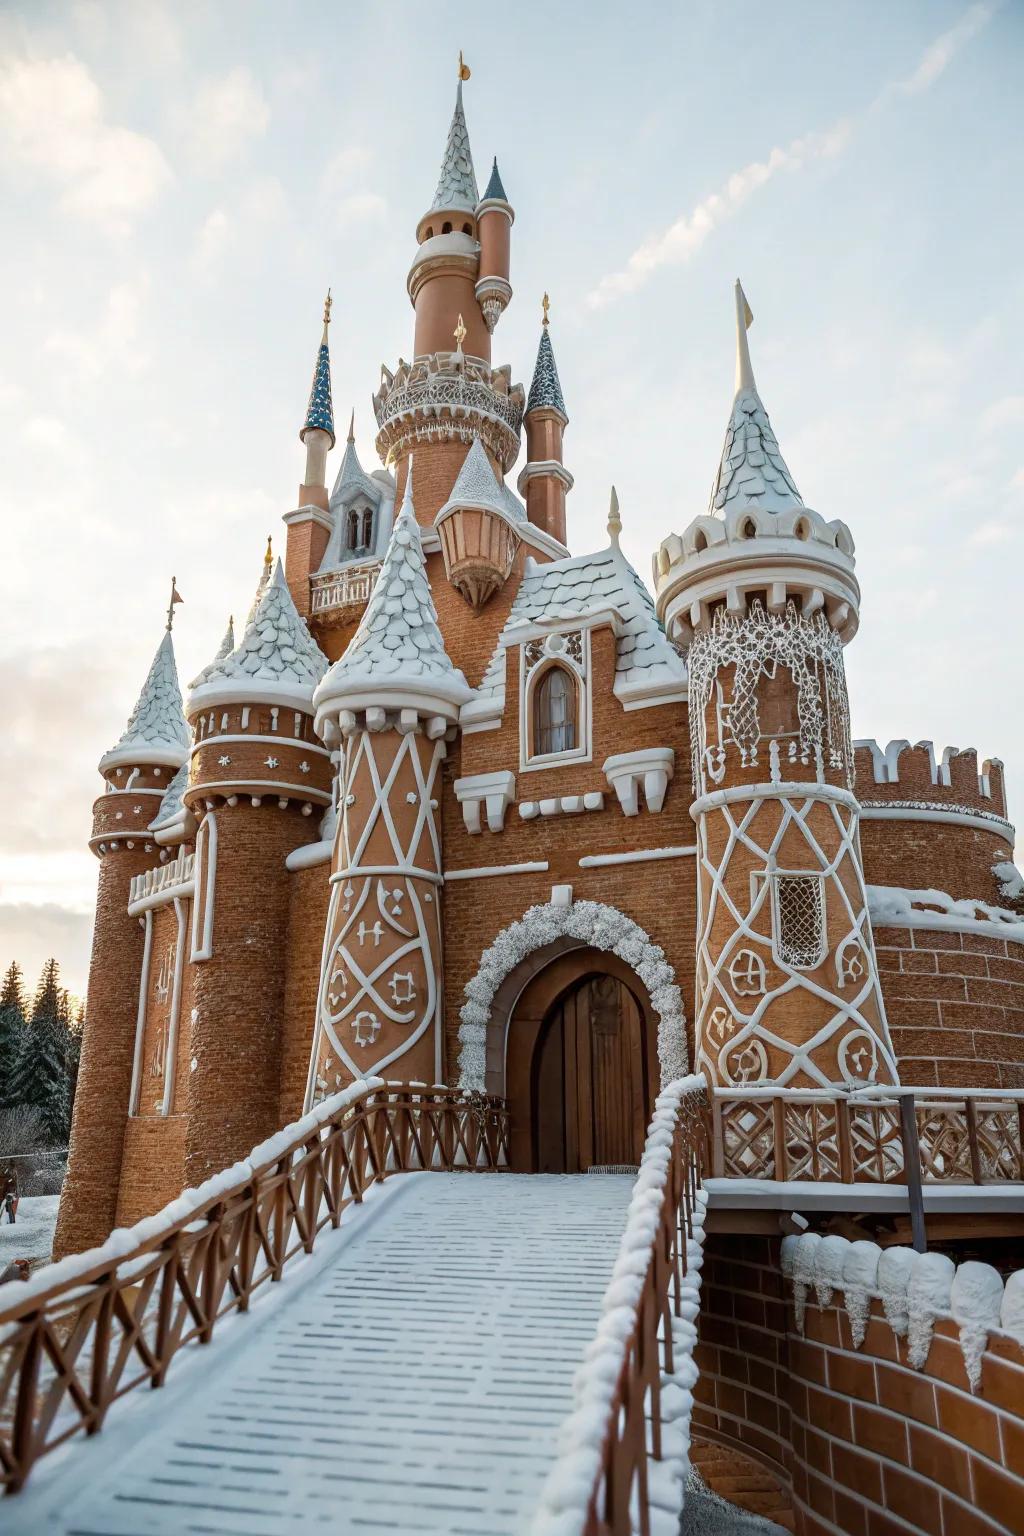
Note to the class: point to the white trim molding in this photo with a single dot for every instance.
(980, 821)
(491, 793)
(205, 886)
(636, 856)
(651, 767)
(485, 871)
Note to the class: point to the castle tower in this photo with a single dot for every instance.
(762, 595)
(495, 218)
(544, 480)
(260, 780)
(478, 536)
(137, 773)
(309, 526)
(385, 710)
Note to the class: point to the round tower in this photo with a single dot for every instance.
(137, 772)
(259, 782)
(385, 710)
(544, 480)
(317, 432)
(494, 217)
(761, 594)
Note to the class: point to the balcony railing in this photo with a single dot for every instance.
(349, 587)
(163, 879)
(870, 1136)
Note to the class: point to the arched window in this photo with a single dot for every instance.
(554, 713)
(353, 528)
(446, 228)
(366, 538)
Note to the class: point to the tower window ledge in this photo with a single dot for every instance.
(485, 795)
(650, 769)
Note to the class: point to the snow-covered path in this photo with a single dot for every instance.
(409, 1378)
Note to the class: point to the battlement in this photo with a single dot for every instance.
(907, 773)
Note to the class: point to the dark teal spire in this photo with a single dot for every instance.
(320, 411)
(494, 186)
(546, 390)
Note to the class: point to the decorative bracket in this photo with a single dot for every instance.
(653, 767)
(489, 792)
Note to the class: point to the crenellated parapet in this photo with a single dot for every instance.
(904, 773)
(444, 397)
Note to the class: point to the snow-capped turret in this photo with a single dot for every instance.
(156, 731)
(317, 430)
(494, 220)
(757, 539)
(396, 659)
(478, 537)
(456, 185)
(544, 479)
(277, 660)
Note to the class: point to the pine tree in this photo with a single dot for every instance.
(12, 1027)
(40, 1077)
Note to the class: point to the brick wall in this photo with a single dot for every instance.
(308, 895)
(933, 855)
(869, 1446)
(153, 1166)
(955, 1004)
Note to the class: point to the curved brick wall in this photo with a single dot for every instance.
(933, 855)
(955, 1003)
(869, 1446)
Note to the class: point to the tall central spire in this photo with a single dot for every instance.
(456, 187)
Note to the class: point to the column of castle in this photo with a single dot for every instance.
(761, 594)
(544, 480)
(260, 780)
(136, 774)
(386, 708)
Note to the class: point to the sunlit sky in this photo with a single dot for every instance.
(180, 184)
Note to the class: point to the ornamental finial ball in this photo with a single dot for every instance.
(545, 305)
(327, 308)
(464, 69)
(268, 558)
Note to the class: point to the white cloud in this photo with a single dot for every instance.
(686, 236)
(938, 56)
(1005, 412)
(224, 117)
(53, 121)
(113, 343)
(991, 532)
(261, 206)
(1017, 481)
(360, 208)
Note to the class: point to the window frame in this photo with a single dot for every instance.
(531, 760)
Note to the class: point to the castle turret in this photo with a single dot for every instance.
(385, 709)
(494, 218)
(544, 480)
(137, 773)
(318, 428)
(259, 782)
(761, 593)
(478, 535)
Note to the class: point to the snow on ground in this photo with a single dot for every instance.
(31, 1237)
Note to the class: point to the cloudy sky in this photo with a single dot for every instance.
(180, 183)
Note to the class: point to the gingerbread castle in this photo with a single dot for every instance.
(458, 806)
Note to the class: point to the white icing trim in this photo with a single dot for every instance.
(492, 793)
(485, 870)
(891, 906)
(140, 1016)
(651, 768)
(976, 819)
(595, 925)
(171, 1055)
(296, 791)
(535, 467)
(636, 856)
(277, 741)
(164, 757)
(205, 884)
(309, 514)
(309, 855)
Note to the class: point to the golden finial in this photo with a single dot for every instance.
(460, 334)
(268, 558)
(545, 305)
(327, 308)
(464, 70)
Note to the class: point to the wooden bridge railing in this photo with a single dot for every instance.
(624, 1446)
(877, 1135)
(83, 1332)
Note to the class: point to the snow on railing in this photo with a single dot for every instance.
(624, 1450)
(83, 1332)
(343, 588)
(162, 879)
(893, 906)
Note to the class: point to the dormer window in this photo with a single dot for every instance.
(359, 530)
(555, 712)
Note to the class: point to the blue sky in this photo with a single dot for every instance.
(180, 183)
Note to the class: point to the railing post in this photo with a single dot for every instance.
(912, 1170)
(24, 1438)
(973, 1149)
(100, 1351)
(779, 1137)
(843, 1137)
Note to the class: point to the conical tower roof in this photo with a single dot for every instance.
(494, 188)
(476, 485)
(351, 474)
(320, 411)
(276, 660)
(456, 187)
(752, 472)
(397, 650)
(156, 731)
(225, 648)
(546, 388)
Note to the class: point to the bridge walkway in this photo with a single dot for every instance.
(409, 1376)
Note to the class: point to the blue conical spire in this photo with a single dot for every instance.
(320, 411)
(546, 389)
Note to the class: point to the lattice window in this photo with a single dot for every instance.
(554, 713)
(799, 920)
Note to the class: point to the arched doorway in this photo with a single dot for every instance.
(589, 1081)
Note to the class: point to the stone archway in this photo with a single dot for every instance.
(524, 948)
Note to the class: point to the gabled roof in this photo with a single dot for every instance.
(352, 477)
(546, 390)
(645, 659)
(225, 648)
(156, 731)
(456, 187)
(276, 656)
(398, 644)
(494, 188)
(752, 472)
(477, 486)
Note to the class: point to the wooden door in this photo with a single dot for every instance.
(590, 1090)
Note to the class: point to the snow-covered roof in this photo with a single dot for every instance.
(320, 410)
(494, 188)
(173, 822)
(277, 656)
(546, 389)
(645, 660)
(398, 644)
(752, 472)
(156, 731)
(456, 187)
(225, 648)
(352, 478)
(351, 484)
(477, 486)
